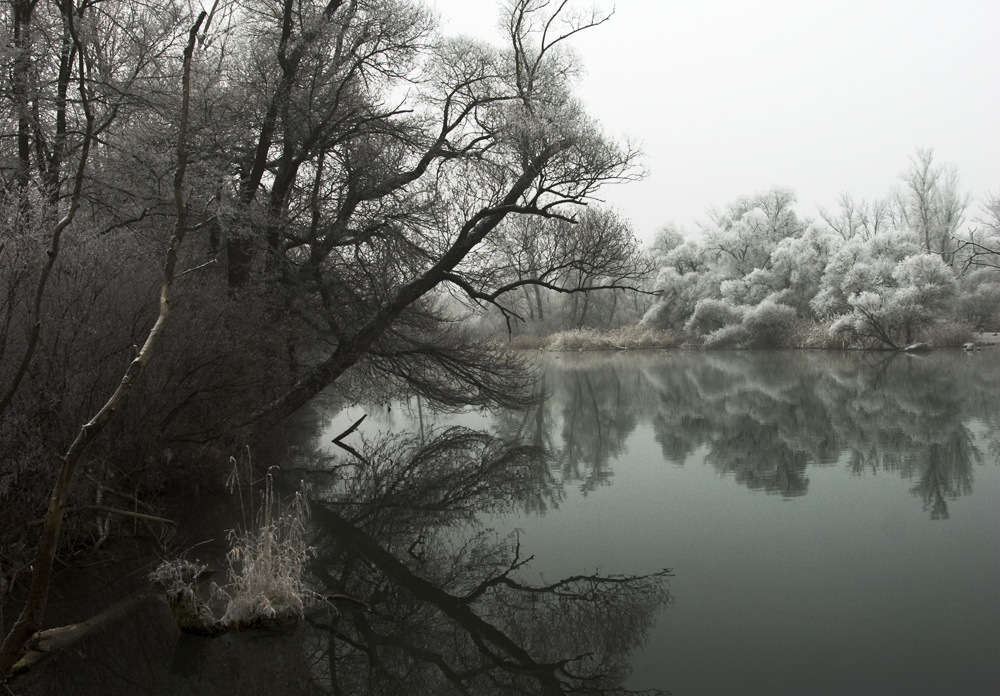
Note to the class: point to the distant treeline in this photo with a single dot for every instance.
(921, 264)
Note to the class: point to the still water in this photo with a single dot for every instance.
(832, 521)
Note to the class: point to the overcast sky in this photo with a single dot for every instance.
(731, 97)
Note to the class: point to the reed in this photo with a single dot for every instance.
(266, 565)
(264, 586)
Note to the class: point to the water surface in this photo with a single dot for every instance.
(830, 522)
(831, 519)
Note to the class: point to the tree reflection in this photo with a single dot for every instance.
(914, 417)
(419, 599)
(534, 426)
(764, 417)
(440, 609)
(598, 415)
(592, 406)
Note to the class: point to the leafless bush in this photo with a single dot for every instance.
(100, 301)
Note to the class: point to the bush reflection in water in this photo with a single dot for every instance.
(764, 418)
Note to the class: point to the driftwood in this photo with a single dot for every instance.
(53, 640)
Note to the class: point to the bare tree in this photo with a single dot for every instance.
(863, 218)
(981, 246)
(30, 618)
(383, 207)
(598, 252)
(932, 204)
(362, 166)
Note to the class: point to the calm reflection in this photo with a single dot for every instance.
(439, 605)
(422, 599)
(628, 467)
(857, 552)
(764, 418)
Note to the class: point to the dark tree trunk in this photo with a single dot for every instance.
(239, 255)
(21, 83)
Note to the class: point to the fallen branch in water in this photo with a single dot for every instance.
(52, 640)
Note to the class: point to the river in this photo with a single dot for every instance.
(831, 519)
(697, 523)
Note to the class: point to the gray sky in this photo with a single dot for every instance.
(732, 97)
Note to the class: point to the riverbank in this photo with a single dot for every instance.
(806, 336)
(626, 338)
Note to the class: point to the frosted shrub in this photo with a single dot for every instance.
(711, 315)
(732, 336)
(769, 324)
(179, 579)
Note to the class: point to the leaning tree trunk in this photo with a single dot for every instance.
(30, 619)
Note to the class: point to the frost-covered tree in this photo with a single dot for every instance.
(862, 218)
(743, 234)
(666, 239)
(918, 291)
(932, 204)
(858, 266)
(685, 276)
(733, 263)
(866, 272)
(798, 264)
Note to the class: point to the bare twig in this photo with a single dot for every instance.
(208, 263)
(338, 441)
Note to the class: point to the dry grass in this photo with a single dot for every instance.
(816, 335)
(265, 568)
(950, 334)
(528, 342)
(813, 334)
(266, 565)
(625, 338)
